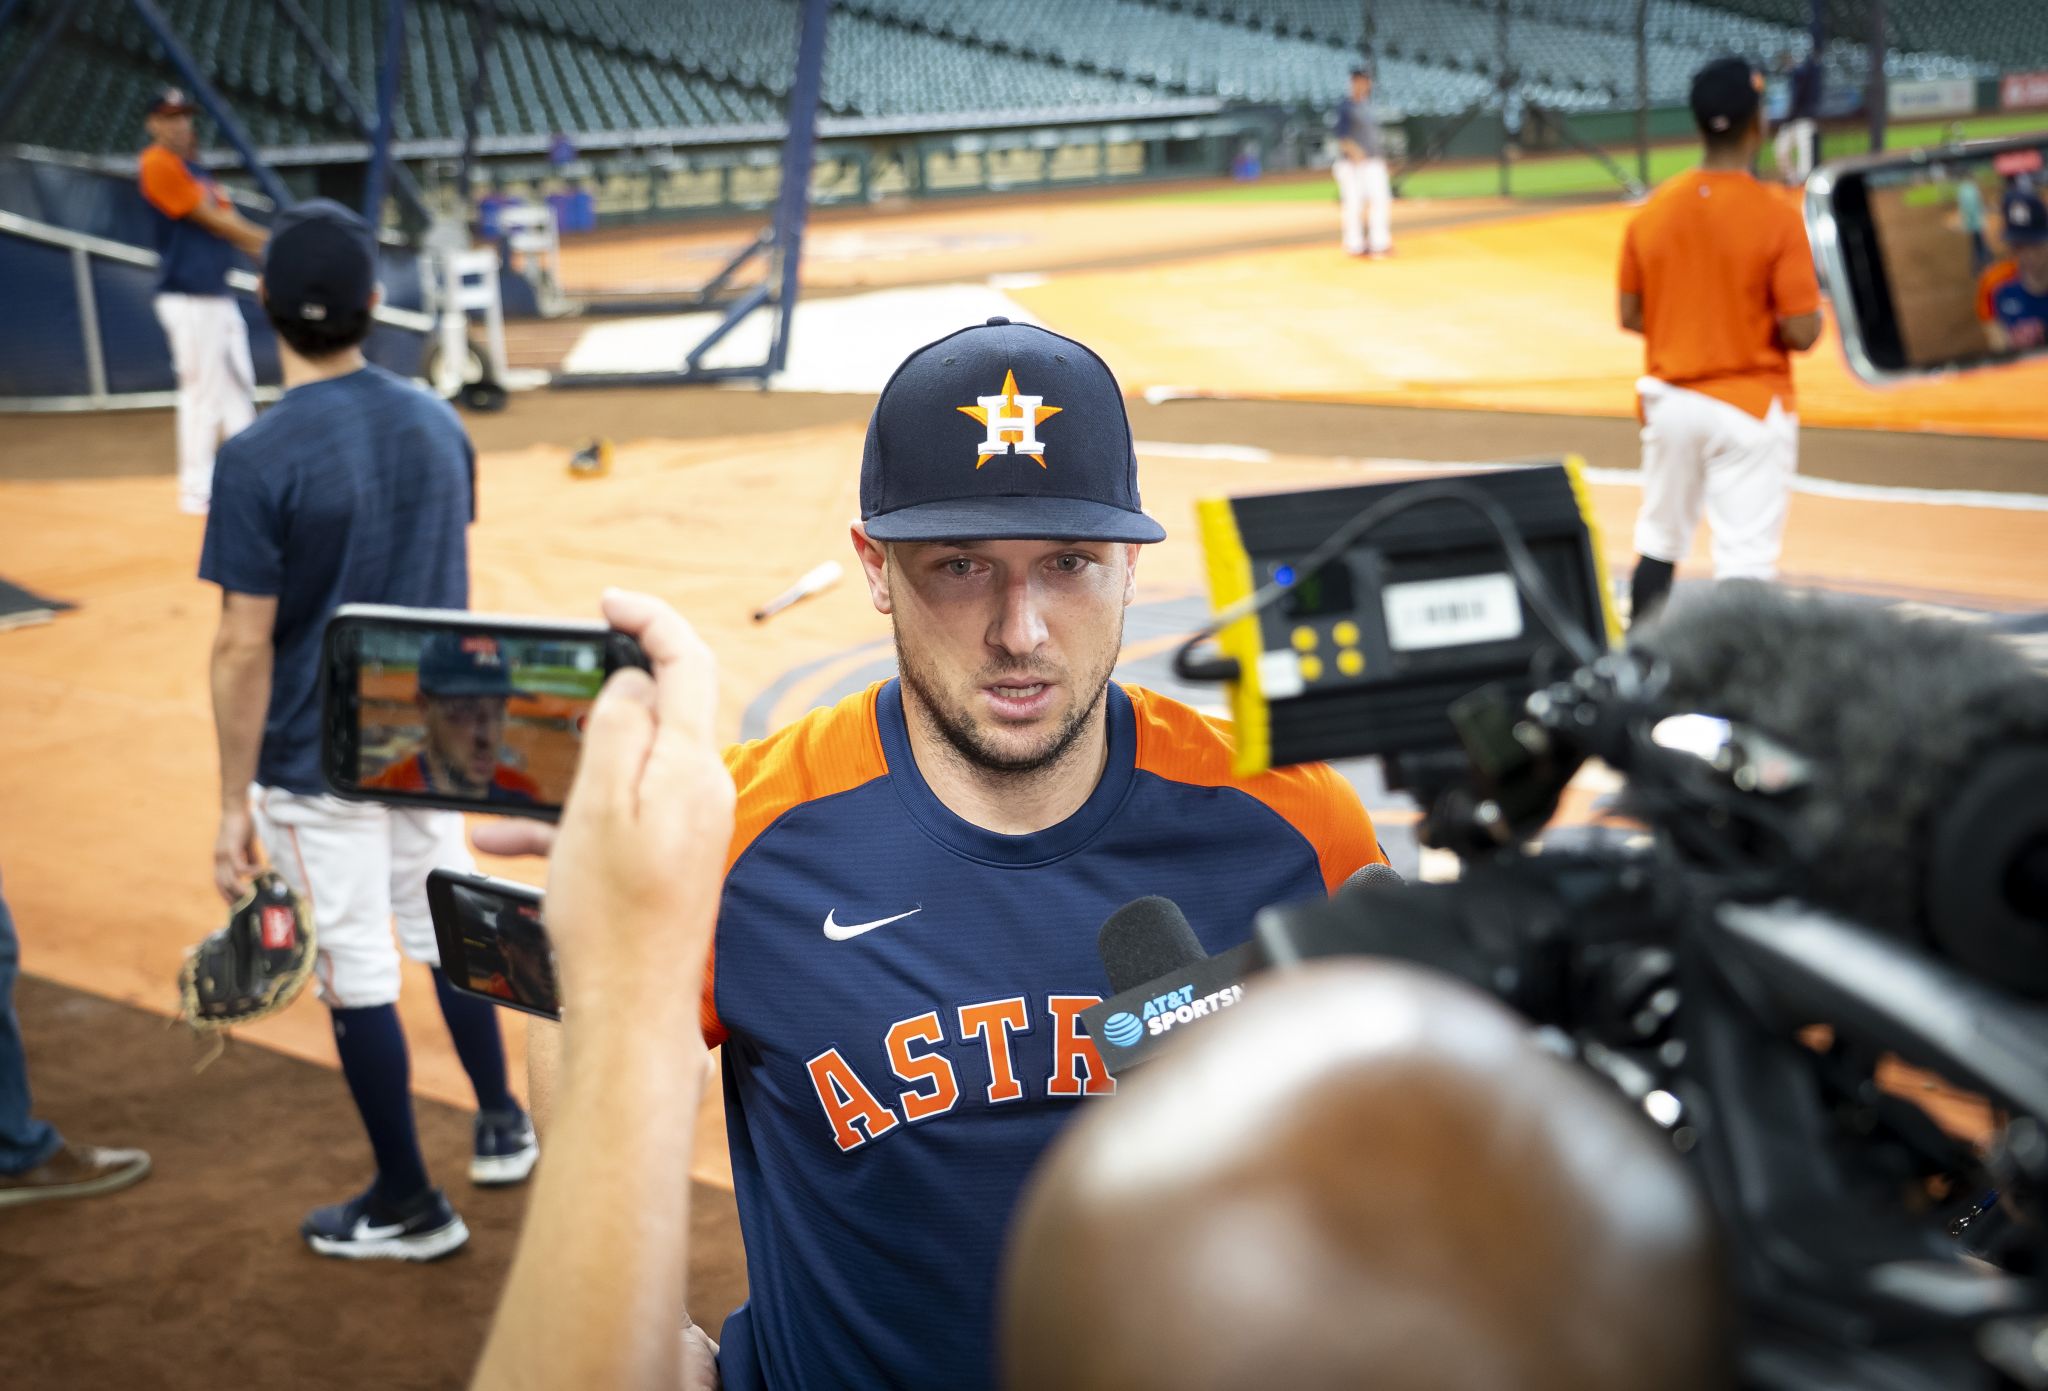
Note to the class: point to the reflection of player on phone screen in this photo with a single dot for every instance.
(464, 684)
(2012, 295)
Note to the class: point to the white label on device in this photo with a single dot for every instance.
(1280, 674)
(1452, 613)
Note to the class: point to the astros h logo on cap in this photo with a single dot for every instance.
(1044, 452)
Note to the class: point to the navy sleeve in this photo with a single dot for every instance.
(243, 550)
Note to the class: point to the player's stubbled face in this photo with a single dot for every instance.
(1008, 645)
(463, 735)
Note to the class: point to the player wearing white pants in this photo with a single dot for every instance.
(1365, 196)
(1717, 276)
(216, 384)
(199, 236)
(1794, 148)
(360, 868)
(1365, 201)
(1701, 454)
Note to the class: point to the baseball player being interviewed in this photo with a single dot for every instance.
(2012, 294)
(357, 487)
(464, 684)
(918, 875)
(198, 232)
(1717, 277)
(1364, 197)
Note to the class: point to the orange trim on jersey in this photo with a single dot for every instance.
(168, 184)
(825, 753)
(1996, 277)
(1180, 744)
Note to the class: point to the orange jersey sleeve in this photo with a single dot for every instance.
(168, 184)
(1181, 744)
(1989, 284)
(825, 753)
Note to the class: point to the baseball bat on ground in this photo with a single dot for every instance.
(815, 581)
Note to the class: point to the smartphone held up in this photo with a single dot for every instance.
(462, 711)
(1936, 259)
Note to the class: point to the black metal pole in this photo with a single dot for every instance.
(1507, 93)
(1643, 92)
(390, 68)
(407, 187)
(1874, 89)
(485, 42)
(799, 149)
(1368, 41)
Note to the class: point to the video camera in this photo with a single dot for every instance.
(1698, 958)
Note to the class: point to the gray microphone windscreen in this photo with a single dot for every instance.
(1374, 873)
(1145, 939)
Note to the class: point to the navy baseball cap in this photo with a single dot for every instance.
(1726, 94)
(321, 262)
(997, 432)
(465, 664)
(2026, 218)
(171, 101)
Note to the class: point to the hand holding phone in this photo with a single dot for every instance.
(636, 871)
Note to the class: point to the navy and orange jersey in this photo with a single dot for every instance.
(898, 992)
(2003, 298)
(194, 260)
(508, 785)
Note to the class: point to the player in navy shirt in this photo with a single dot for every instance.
(918, 875)
(356, 488)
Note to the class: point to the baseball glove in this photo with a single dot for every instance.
(254, 966)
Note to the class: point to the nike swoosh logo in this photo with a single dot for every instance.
(841, 932)
(365, 1232)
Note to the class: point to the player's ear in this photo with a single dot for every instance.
(874, 566)
(376, 298)
(1131, 553)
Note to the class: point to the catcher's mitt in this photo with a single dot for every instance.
(254, 966)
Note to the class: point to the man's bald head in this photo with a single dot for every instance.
(1365, 1174)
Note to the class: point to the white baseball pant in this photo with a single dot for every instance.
(1365, 204)
(216, 384)
(1794, 148)
(1699, 452)
(360, 866)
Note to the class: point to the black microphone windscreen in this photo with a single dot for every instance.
(1895, 713)
(1144, 939)
(1374, 873)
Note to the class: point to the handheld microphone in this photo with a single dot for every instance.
(1162, 979)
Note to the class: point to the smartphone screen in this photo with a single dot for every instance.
(1945, 258)
(493, 941)
(461, 711)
